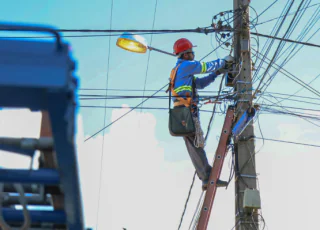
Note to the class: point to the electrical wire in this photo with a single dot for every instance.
(187, 200)
(270, 20)
(304, 31)
(279, 46)
(292, 95)
(131, 90)
(77, 36)
(194, 218)
(90, 97)
(264, 107)
(288, 142)
(295, 108)
(148, 61)
(290, 75)
(287, 98)
(213, 111)
(289, 107)
(295, 114)
(294, 22)
(201, 30)
(310, 24)
(197, 30)
(269, 43)
(125, 114)
(203, 91)
(116, 35)
(286, 40)
(264, 11)
(104, 120)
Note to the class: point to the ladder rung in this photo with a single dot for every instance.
(40, 176)
(42, 143)
(31, 200)
(27, 188)
(26, 146)
(41, 228)
(12, 215)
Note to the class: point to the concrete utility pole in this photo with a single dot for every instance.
(247, 198)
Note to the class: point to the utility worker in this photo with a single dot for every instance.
(186, 85)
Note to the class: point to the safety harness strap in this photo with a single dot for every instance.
(179, 100)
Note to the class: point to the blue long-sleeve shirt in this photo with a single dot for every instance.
(187, 70)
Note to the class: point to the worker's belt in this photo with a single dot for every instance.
(182, 101)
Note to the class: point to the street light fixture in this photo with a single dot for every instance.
(136, 43)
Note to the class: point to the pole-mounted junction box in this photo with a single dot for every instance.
(251, 199)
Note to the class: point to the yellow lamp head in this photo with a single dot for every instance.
(132, 42)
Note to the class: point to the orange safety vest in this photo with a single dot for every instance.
(180, 100)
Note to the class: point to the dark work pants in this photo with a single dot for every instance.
(199, 159)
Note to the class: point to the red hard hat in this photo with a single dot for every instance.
(181, 45)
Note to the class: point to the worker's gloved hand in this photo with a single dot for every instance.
(229, 61)
(228, 66)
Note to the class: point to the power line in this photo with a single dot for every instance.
(152, 90)
(136, 90)
(288, 142)
(278, 48)
(310, 24)
(265, 10)
(294, 22)
(91, 97)
(76, 36)
(296, 114)
(308, 102)
(289, 75)
(187, 201)
(266, 111)
(202, 30)
(270, 20)
(285, 39)
(147, 69)
(292, 95)
(269, 43)
(197, 30)
(104, 119)
(110, 35)
(146, 108)
(124, 114)
(290, 111)
(289, 107)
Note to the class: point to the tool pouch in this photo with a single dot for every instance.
(181, 122)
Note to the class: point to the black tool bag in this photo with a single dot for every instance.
(180, 120)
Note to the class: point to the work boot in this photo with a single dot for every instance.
(220, 183)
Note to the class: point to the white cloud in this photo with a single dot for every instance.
(140, 190)
(18, 123)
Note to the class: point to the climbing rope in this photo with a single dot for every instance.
(199, 141)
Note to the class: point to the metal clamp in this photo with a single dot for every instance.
(248, 176)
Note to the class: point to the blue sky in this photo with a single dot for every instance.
(128, 70)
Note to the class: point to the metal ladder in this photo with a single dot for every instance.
(230, 129)
(39, 75)
(216, 170)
